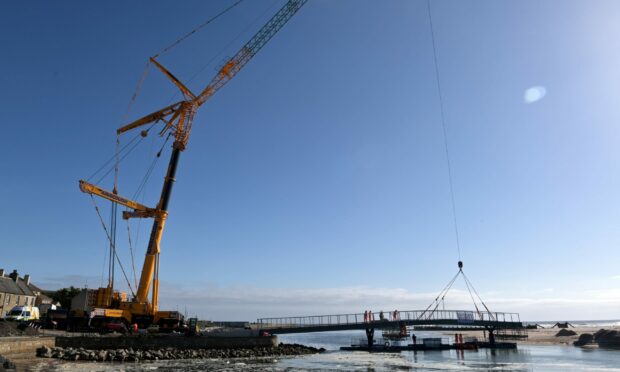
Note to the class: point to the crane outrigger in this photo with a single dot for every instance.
(178, 119)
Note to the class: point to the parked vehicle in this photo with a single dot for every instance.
(114, 326)
(56, 319)
(23, 313)
(44, 308)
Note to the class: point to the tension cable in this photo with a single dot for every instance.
(204, 24)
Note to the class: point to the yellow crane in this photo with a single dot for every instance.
(177, 119)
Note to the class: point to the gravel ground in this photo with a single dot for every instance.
(8, 328)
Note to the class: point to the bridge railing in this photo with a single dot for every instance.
(459, 316)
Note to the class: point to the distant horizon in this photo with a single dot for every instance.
(576, 320)
(293, 304)
(599, 320)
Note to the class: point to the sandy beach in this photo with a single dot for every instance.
(545, 336)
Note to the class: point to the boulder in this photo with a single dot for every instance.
(44, 352)
(584, 338)
(565, 332)
(607, 338)
(604, 333)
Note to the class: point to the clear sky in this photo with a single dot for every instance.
(316, 181)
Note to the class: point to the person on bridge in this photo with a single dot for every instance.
(381, 316)
(414, 338)
(365, 316)
(371, 316)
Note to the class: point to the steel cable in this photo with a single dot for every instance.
(445, 132)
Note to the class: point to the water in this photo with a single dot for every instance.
(581, 323)
(525, 358)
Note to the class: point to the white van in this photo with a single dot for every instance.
(23, 313)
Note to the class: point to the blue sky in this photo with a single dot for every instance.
(316, 181)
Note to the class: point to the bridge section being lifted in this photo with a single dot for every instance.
(443, 320)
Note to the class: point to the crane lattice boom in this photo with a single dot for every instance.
(178, 118)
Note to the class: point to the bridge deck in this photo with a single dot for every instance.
(439, 319)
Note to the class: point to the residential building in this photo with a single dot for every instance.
(15, 291)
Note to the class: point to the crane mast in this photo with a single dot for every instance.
(178, 119)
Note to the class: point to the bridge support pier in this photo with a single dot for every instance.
(370, 335)
(491, 335)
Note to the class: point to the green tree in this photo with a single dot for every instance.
(65, 295)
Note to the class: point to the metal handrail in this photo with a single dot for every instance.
(358, 318)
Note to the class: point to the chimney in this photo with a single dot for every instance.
(14, 275)
(27, 279)
(1, 273)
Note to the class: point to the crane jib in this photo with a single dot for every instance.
(95, 190)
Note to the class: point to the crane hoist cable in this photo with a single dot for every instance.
(468, 283)
(126, 147)
(120, 159)
(105, 260)
(112, 158)
(150, 169)
(137, 90)
(112, 246)
(444, 130)
(133, 262)
(110, 240)
(125, 150)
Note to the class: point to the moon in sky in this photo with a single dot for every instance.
(534, 94)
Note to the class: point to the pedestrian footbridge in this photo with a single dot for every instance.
(419, 319)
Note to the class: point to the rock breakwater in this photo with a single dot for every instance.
(131, 355)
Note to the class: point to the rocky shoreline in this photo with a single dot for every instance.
(608, 338)
(131, 355)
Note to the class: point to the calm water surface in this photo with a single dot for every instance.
(525, 358)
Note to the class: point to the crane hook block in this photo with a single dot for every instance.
(460, 264)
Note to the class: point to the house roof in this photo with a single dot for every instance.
(45, 299)
(34, 288)
(7, 285)
(24, 287)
